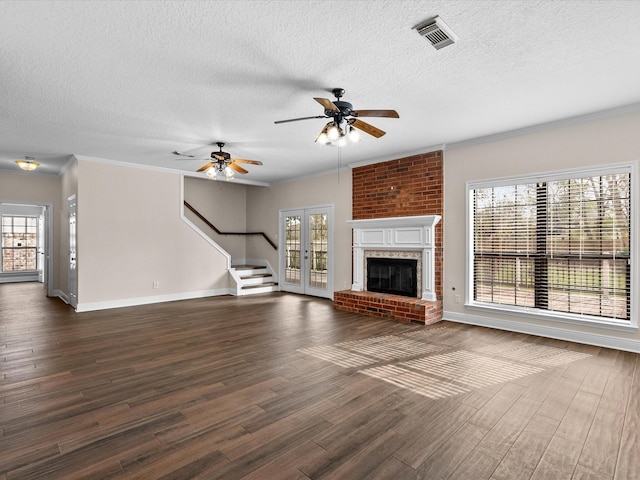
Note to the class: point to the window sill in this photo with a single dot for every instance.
(598, 322)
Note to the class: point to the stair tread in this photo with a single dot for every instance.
(248, 267)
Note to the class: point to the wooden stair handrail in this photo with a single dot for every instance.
(211, 225)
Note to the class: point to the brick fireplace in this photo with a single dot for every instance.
(396, 207)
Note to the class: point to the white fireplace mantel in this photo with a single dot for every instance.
(396, 233)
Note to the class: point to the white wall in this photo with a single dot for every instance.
(597, 142)
(130, 235)
(264, 204)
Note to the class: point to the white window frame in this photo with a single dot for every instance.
(36, 248)
(534, 313)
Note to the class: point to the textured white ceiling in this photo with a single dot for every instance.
(132, 81)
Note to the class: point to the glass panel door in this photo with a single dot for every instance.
(292, 254)
(73, 254)
(305, 251)
(41, 264)
(316, 251)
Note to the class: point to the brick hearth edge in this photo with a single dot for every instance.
(397, 307)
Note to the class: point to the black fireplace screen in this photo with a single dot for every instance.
(397, 276)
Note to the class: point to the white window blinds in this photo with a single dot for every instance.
(559, 245)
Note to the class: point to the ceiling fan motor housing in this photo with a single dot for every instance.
(220, 156)
(345, 109)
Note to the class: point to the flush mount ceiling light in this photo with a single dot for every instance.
(437, 32)
(28, 164)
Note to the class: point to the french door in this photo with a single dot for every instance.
(306, 251)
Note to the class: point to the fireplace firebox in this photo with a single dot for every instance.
(397, 276)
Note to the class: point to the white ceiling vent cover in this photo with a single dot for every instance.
(437, 32)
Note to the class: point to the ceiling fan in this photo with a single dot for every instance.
(345, 121)
(222, 164)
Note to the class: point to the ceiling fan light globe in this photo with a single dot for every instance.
(322, 139)
(342, 141)
(354, 135)
(333, 133)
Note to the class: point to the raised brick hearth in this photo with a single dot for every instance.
(396, 307)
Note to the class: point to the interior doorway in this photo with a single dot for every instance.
(25, 254)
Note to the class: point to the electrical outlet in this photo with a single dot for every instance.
(457, 298)
(156, 284)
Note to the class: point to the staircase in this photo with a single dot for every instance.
(252, 279)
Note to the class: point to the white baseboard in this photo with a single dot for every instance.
(596, 339)
(18, 278)
(61, 295)
(132, 302)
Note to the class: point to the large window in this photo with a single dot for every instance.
(19, 243)
(556, 245)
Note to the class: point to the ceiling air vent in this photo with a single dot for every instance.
(437, 32)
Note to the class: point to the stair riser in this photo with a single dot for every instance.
(252, 291)
(253, 277)
(257, 281)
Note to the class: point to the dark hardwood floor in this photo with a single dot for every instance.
(281, 386)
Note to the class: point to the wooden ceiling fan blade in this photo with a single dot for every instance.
(377, 113)
(367, 128)
(327, 104)
(206, 166)
(251, 162)
(237, 168)
(297, 119)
